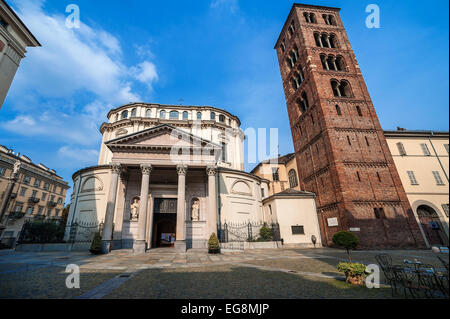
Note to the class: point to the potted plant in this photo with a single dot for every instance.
(213, 244)
(354, 272)
(96, 245)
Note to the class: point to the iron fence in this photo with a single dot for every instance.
(249, 232)
(83, 232)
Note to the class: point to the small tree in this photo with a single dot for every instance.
(96, 245)
(213, 244)
(347, 240)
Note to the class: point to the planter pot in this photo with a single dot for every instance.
(214, 251)
(355, 280)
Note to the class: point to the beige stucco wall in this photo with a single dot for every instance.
(427, 192)
(264, 170)
(295, 211)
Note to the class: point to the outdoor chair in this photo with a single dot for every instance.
(390, 271)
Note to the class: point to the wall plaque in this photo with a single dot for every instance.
(332, 222)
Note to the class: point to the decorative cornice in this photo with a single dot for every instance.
(316, 174)
(116, 168)
(366, 164)
(376, 203)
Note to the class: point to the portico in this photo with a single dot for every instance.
(145, 174)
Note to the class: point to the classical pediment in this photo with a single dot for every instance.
(163, 138)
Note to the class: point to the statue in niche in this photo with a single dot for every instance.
(195, 214)
(134, 216)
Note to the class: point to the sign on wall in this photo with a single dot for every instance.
(332, 222)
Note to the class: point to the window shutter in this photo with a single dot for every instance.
(401, 148)
(412, 178)
(438, 178)
(425, 149)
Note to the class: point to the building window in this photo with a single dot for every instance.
(302, 103)
(379, 177)
(174, 115)
(124, 115)
(148, 113)
(34, 194)
(447, 148)
(359, 176)
(367, 140)
(338, 110)
(412, 178)
(185, 115)
(329, 19)
(293, 181)
(27, 180)
(199, 115)
(358, 110)
(445, 207)
(310, 17)
(213, 116)
(133, 112)
(348, 140)
(275, 175)
(283, 46)
(44, 196)
(425, 149)
(18, 208)
(298, 230)
(37, 183)
(379, 213)
(40, 209)
(2, 171)
(263, 193)
(23, 191)
(222, 118)
(57, 212)
(341, 89)
(401, 148)
(162, 114)
(3, 23)
(437, 177)
(30, 210)
(46, 186)
(224, 152)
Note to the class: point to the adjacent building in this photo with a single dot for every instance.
(14, 39)
(422, 161)
(341, 151)
(172, 175)
(281, 172)
(28, 191)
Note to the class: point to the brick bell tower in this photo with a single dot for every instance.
(342, 154)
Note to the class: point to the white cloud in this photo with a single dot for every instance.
(145, 72)
(65, 88)
(232, 5)
(81, 156)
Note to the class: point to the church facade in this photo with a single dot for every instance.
(171, 175)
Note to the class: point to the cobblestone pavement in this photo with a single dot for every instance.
(118, 274)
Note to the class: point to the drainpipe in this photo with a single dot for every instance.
(437, 156)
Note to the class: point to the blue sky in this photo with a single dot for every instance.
(210, 52)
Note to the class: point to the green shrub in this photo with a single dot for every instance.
(346, 239)
(265, 234)
(353, 271)
(213, 243)
(41, 232)
(96, 245)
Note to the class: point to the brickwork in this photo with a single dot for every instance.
(341, 151)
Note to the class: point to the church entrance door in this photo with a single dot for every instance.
(165, 222)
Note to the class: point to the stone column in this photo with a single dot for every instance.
(110, 208)
(9, 189)
(180, 243)
(139, 245)
(211, 171)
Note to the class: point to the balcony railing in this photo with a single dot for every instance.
(33, 200)
(51, 204)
